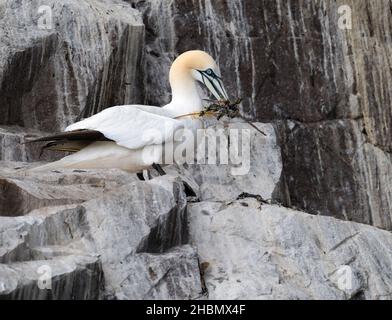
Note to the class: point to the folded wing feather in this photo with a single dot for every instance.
(133, 126)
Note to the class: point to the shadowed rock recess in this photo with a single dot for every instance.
(314, 218)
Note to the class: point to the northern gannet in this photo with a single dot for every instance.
(130, 137)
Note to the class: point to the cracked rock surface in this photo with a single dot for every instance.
(271, 252)
(80, 63)
(131, 242)
(294, 66)
(103, 234)
(323, 173)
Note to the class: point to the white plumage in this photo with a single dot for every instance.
(132, 126)
(139, 131)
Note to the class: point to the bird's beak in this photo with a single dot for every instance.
(215, 85)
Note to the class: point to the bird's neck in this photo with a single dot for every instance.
(185, 96)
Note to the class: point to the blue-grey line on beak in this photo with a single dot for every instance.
(215, 85)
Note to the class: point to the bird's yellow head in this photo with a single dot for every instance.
(199, 65)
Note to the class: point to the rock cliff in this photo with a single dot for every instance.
(311, 220)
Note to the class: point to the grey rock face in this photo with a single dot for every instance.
(254, 168)
(171, 275)
(290, 61)
(12, 147)
(65, 58)
(335, 162)
(144, 240)
(323, 91)
(42, 256)
(72, 277)
(149, 218)
(22, 192)
(125, 244)
(270, 252)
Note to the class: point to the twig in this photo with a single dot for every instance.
(222, 108)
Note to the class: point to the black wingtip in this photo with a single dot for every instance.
(43, 139)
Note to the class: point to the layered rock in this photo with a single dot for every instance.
(350, 172)
(145, 240)
(322, 88)
(254, 251)
(249, 163)
(22, 192)
(305, 61)
(71, 278)
(43, 257)
(12, 147)
(127, 244)
(137, 232)
(293, 62)
(61, 60)
(288, 60)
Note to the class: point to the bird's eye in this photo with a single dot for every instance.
(210, 72)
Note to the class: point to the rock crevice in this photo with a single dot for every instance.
(322, 93)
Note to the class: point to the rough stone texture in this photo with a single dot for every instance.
(48, 243)
(88, 60)
(171, 275)
(289, 60)
(12, 147)
(270, 252)
(23, 191)
(125, 244)
(145, 240)
(352, 173)
(250, 162)
(150, 218)
(105, 235)
(258, 170)
(360, 74)
(72, 277)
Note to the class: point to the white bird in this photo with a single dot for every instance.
(130, 137)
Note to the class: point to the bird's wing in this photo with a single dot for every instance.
(132, 127)
(76, 135)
